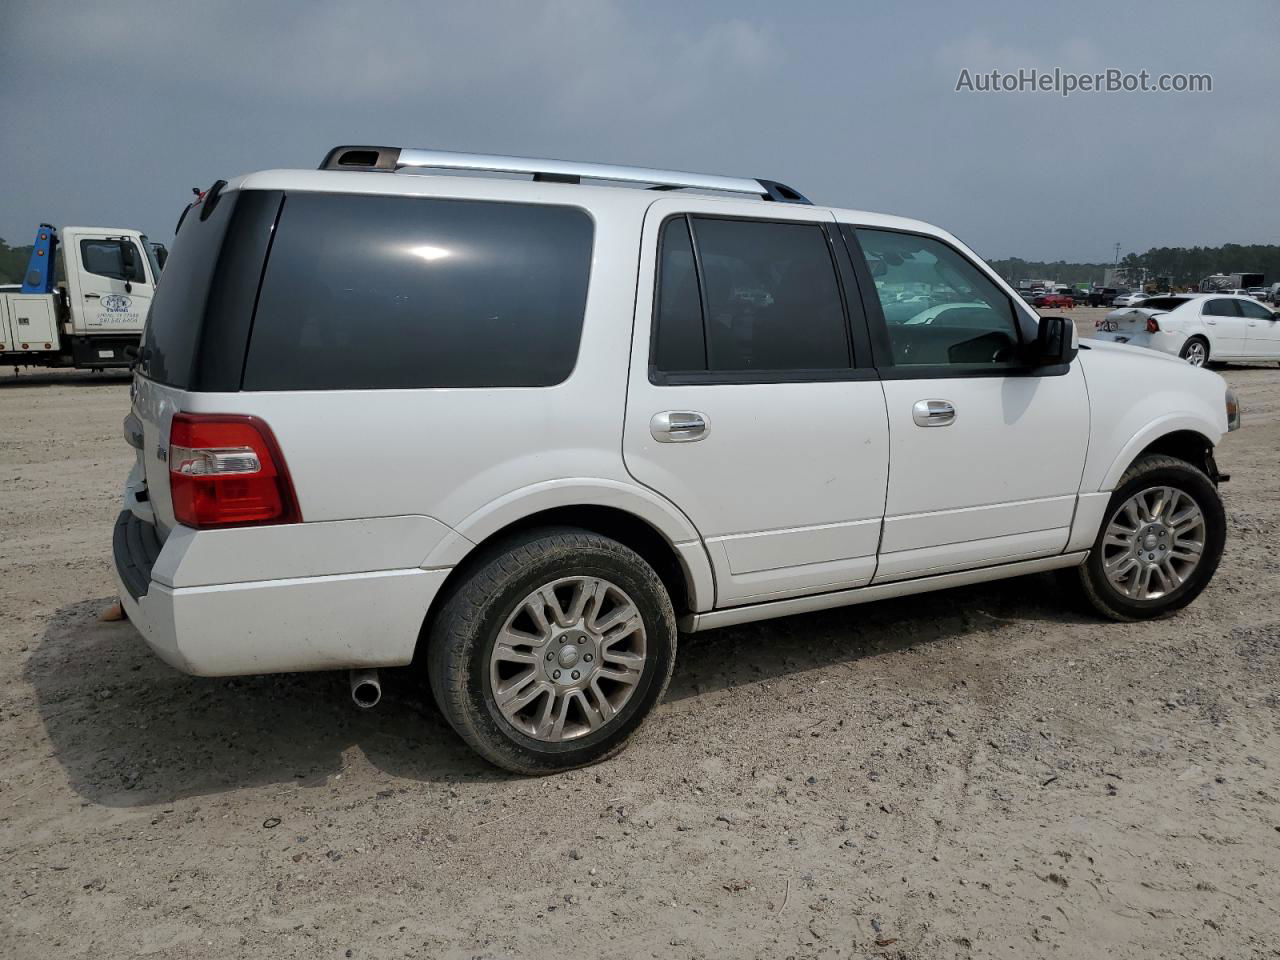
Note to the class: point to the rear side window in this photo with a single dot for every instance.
(367, 292)
(755, 297)
(106, 258)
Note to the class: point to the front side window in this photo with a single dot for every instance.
(756, 297)
(1255, 310)
(152, 258)
(106, 258)
(938, 307)
(1221, 308)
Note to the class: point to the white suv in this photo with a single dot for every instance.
(522, 431)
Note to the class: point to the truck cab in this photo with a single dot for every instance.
(83, 300)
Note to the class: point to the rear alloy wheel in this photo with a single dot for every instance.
(1160, 543)
(1196, 352)
(550, 653)
(568, 659)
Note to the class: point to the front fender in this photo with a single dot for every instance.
(1161, 427)
(1136, 397)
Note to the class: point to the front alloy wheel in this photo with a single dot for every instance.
(1153, 543)
(1160, 544)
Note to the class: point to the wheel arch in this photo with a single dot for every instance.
(1181, 437)
(1196, 334)
(1189, 445)
(655, 530)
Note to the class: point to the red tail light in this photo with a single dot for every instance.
(227, 471)
(1152, 326)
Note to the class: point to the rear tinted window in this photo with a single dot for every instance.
(177, 310)
(1163, 303)
(760, 297)
(366, 292)
(680, 340)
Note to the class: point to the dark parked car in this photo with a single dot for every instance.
(1102, 296)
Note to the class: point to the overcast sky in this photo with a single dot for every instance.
(112, 111)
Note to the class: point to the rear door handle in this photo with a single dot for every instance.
(678, 426)
(93, 296)
(933, 413)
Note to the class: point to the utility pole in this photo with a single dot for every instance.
(1117, 263)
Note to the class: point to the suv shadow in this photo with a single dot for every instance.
(130, 731)
(60, 378)
(736, 656)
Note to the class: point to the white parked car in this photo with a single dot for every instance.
(1198, 327)
(1130, 299)
(520, 432)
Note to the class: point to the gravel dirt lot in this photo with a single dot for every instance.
(986, 772)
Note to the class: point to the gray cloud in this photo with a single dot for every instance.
(113, 111)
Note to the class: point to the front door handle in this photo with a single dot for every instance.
(933, 413)
(93, 296)
(678, 426)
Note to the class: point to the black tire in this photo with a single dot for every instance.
(1185, 353)
(1153, 471)
(462, 639)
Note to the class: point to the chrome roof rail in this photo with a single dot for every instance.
(391, 159)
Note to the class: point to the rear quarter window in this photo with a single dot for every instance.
(199, 319)
(371, 292)
(177, 310)
(1163, 303)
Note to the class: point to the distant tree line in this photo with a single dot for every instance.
(1184, 266)
(13, 262)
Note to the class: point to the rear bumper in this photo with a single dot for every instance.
(1166, 341)
(101, 350)
(340, 621)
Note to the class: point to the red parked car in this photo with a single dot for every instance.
(1064, 300)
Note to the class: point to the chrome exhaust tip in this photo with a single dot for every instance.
(366, 688)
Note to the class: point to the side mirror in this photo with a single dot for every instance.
(128, 257)
(129, 261)
(1054, 343)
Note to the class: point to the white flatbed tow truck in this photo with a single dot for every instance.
(83, 299)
